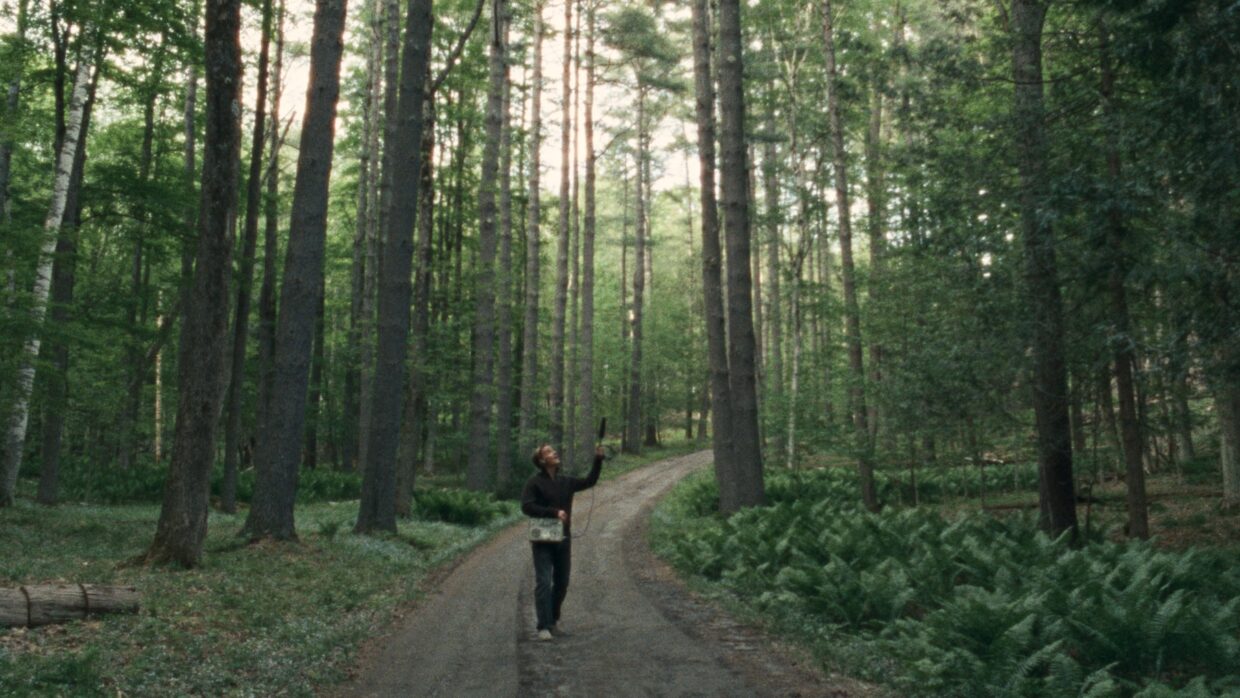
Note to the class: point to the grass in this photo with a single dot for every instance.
(251, 620)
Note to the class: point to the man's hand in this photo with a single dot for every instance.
(562, 515)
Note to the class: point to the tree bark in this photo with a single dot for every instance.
(63, 280)
(1050, 384)
(377, 510)
(279, 447)
(747, 474)
(418, 401)
(876, 220)
(367, 160)
(633, 432)
(526, 419)
(24, 380)
(271, 244)
(504, 296)
(558, 317)
(1227, 407)
(182, 526)
(1121, 333)
(774, 311)
(241, 316)
(478, 474)
(852, 311)
(585, 356)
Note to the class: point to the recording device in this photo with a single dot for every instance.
(546, 530)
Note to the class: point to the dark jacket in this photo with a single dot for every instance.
(543, 496)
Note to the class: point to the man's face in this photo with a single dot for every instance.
(550, 458)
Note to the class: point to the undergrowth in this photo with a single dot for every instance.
(970, 605)
(266, 619)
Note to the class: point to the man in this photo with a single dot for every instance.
(549, 495)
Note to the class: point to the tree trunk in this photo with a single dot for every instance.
(505, 295)
(24, 381)
(1050, 384)
(876, 219)
(561, 262)
(1121, 333)
(417, 400)
(241, 317)
(633, 432)
(774, 311)
(6, 143)
(852, 311)
(529, 340)
(63, 279)
(586, 337)
(279, 447)
(747, 474)
(182, 525)
(1227, 406)
(478, 475)
(271, 246)
(314, 406)
(377, 510)
(367, 160)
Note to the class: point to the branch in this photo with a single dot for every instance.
(456, 50)
(1003, 15)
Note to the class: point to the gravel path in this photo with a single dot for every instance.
(631, 628)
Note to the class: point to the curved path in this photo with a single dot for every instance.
(630, 628)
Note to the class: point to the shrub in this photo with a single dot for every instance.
(459, 506)
(970, 605)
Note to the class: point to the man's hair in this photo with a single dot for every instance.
(537, 457)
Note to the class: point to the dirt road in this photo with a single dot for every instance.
(631, 627)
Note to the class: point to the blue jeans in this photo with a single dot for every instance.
(552, 562)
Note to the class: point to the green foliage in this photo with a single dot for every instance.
(144, 483)
(459, 506)
(971, 605)
(252, 620)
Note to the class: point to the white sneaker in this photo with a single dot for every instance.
(544, 635)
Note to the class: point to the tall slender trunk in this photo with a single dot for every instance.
(852, 311)
(774, 312)
(574, 275)
(1227, 408)
(633, 432)
(1121, 333)
(417, 401)
(241, 316)
(279, 447)
(271, 244)
(63, 280)
(1050, 383)
(24, 380)
(526, 419)
(747, 473)
(314, 402)
(377, 510)
(478, 474)
(504, 295)
(585, 357)
(11, 103)
(182, 526)
(558, 317)
(367, 161)
(876, 196)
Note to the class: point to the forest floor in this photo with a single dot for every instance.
(631, 626)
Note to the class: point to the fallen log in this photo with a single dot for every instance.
(44, 604)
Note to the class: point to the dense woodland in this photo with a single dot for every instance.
(918, 235)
